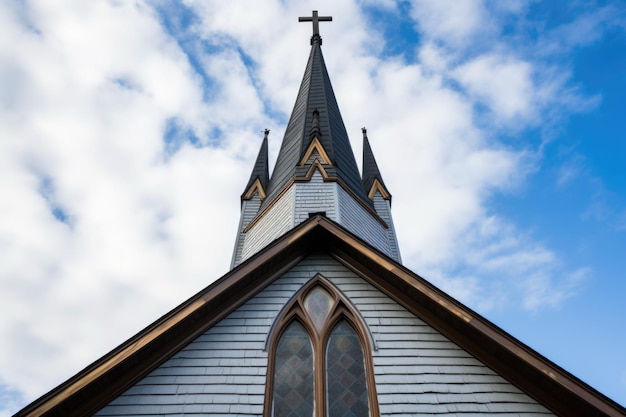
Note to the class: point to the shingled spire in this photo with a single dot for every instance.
(316, 110)
(372, 179)
(252, 197)
(260, 177)
(315, 173)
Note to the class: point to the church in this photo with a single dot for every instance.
(318, 316)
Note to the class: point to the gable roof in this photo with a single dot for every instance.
(111, 375)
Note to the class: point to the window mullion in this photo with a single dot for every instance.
(320, 380)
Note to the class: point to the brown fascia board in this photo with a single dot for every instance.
(117, 371)
(105, 379)
(549, 384)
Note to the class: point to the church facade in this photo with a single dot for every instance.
(317, 316)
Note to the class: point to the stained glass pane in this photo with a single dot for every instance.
(293, 374)
(317, 304)
(345, 374)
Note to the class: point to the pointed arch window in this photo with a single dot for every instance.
(319, 362)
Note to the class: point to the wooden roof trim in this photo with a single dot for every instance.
(316, 145)
(378, 187)
(316, 165)
(326, 178)
(462, 325)
(543, 380)
(255, 188)
(358, 199)
(135, 346)
(269, 206)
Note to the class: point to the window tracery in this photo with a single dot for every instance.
(319, 361)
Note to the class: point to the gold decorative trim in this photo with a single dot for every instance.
(256, 187)
(377, 186)
(269, 206)
(315, 165)
(327, 178)
(316, 145)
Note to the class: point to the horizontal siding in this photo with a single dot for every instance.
(356, 219)
(223, 371)
(383, 209)
(249, 210)
(315, 196)
(417, 370)
(276, 222)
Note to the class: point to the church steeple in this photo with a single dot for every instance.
(316, 115)
(315, 172)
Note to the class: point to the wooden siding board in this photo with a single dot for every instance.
(313, 196)
(383, 209)
(412, 359)
(357, 220)
(277, 221)
(249, 209)
(417, 370)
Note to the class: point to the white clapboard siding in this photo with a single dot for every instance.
(314, 196)
(276, 222)
(418, 371)
(357, 220)
(383, 209)
(249, 210)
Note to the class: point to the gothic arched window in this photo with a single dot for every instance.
(319, 362)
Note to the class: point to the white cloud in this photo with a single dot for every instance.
(503, 84)
(588, 27)
(108, 226)
(455, 22)
(540, 290)
(98, 84)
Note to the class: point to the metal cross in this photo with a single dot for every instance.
(316, 19)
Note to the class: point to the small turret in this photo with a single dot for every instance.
(378, 193)
(260, 177)
(372, 179)
(252, 197)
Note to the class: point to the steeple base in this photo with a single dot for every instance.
(301, 199)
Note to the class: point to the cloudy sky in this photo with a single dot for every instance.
(129, 129)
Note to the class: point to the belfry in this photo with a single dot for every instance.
(318, 316)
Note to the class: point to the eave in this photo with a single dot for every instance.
(105, 379)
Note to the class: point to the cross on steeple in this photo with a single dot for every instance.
(316, 26)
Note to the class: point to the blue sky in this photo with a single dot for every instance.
(130, 129)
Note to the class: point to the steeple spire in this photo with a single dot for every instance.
(260, 177)
(315, 172)
(372, 179)
(316, 115)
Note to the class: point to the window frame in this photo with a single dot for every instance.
(340, 309)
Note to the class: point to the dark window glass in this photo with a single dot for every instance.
(346, 390)
(318, 304)
(293, 375)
